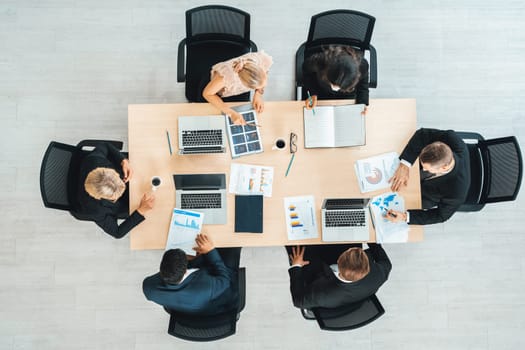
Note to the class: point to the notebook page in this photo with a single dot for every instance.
(319, 128)
(349, 125)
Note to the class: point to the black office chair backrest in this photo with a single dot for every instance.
(54, 174)
(342, 24)
(350, 316)
(503, 165)
(59, 174)
(214, 34)
(208, 328)
(202, 328)
(217, 21)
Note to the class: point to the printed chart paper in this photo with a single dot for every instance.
(300, 216)
(184, 227)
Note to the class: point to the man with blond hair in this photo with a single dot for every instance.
(356, 275)
(444, 175)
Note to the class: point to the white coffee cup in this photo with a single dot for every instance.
(279, 144)
(155, 183)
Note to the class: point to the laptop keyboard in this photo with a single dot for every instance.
(200, 201)
(192, 138)
(338, 203)
(337, 218)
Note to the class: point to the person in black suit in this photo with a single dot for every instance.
(103, 194)
(445, 175)
(205, 285)
(358, 274)
(336, 72)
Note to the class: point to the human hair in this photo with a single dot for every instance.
(340, 67)
(437, 154)
(250, 73)
(173, 266)
(104, 183)
(353, 264)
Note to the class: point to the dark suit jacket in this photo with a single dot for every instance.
(448, 191)
(311, 82)
(324, 289)
(103, 212)
(210, 290)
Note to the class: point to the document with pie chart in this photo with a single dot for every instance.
(373, 173)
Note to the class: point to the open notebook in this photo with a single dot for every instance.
(334, 126)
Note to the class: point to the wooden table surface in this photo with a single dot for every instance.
(323, 173)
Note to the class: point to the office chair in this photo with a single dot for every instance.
(346, 317)
(59, 173)
(496, 170)
(214, 34)
(337, 27)
(208, 328)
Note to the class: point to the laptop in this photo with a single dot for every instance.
(345, 219)
(204, 193)
(202, 134)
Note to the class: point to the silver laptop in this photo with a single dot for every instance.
(202, 134)
(345, 219)
(205, 193)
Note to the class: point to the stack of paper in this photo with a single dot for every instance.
(373, 173)
(387, 231)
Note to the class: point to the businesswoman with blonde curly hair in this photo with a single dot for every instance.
(103, 195)
(237, 76)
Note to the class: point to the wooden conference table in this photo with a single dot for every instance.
(322, 172)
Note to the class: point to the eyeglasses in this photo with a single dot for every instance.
(293, 144)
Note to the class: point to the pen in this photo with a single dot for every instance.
(257, 125)
(289, 165)
(169, 142)
(310, 101)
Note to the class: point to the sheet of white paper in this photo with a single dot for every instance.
(349, 125)
(300, 217)
(251, 179)
(386, 231)
(319, 128)
(184, 227)
(373, 173)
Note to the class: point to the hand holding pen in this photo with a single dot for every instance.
(311, 102)
(395, 216)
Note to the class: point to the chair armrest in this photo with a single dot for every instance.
(94, 143)
(373, 67)
(299, 59)
(181, 73)
(253, 47)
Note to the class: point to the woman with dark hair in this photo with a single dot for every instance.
(334, 73)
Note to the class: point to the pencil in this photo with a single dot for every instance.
(310, 101)
(289, 165)
(169, 142)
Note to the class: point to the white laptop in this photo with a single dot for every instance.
(204, 193)
(345, 219)
(334, 126)
(202, 134)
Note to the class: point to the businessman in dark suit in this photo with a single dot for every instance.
(357, 275)
(445, 175)
(206, 285)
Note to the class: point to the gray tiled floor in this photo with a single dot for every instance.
(68, 70)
